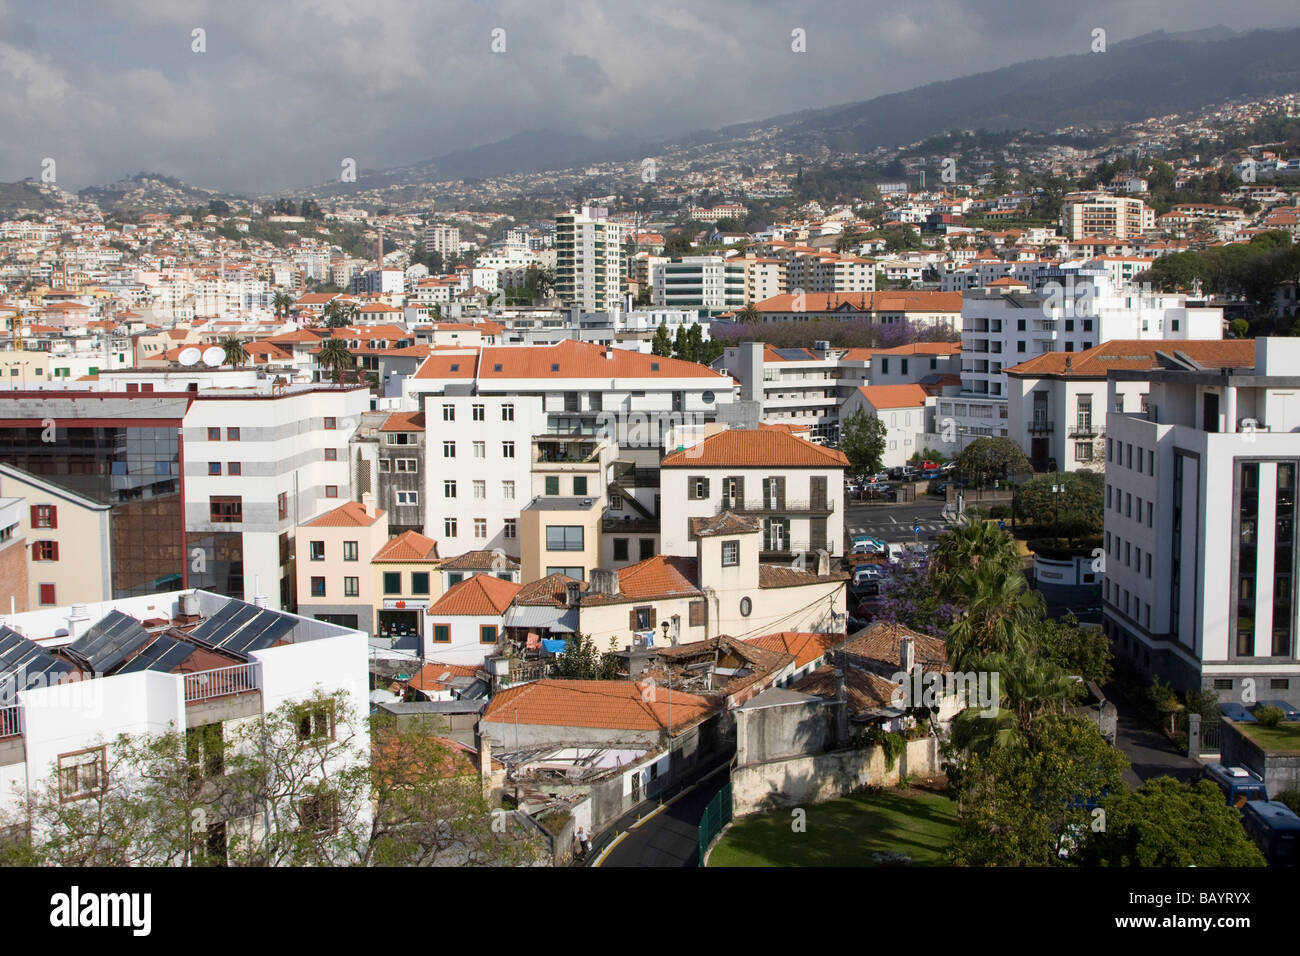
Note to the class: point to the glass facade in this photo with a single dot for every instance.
(1284, 560)
(135, 470)
(1247, 556)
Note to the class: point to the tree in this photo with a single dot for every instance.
(997, 612)
(862, 439)
(750, 314)
(1068, 504)
(677, 245)
(582, 661)
(1169, 823)
(339, 313)
(1080, 652)
(335, 358)
(281, 303)
(1023, 806)
(233, 352)
(1240, 328)
(662, 344)
(985, 459)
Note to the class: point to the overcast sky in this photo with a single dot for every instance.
(288, 88)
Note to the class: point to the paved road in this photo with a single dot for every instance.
(1150, 752)
(893, 522)
(672, 836)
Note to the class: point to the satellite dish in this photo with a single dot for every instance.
(213, 356)
(189, 356)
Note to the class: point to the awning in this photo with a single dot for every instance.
(556, 646)
(540, 617)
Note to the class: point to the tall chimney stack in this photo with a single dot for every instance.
(379, 249)
(368, 500)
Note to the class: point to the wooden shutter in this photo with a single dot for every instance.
(780, 493)
(699, 611)
(654, 620)
(631, 620)
(740, 493)
(819, 491)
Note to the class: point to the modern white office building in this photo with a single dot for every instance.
(1200, 536)
(712, 283)
(588, 260)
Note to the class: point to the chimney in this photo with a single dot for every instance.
(483, 743)
(573, 593)
(906, 655)
(368, 500)
(823, 563)
(604, 581)
(842, 711)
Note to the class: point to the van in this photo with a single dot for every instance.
(1274, 827)
(1238, 784)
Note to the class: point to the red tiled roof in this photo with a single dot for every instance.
(608, 704)
(351, 514)
(407, 546)
(1138, 354)
(480, 595)
(403, 422)
(550, 590)
(755, 448)
(806, 646)
(567, 359)
(662, 576)
(893, 396)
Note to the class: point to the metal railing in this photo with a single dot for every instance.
(11, 721)
(715, 818)
(223, 682)
(766, 506)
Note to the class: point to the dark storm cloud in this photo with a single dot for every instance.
(285, 90)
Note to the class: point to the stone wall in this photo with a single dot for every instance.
(1279, 769)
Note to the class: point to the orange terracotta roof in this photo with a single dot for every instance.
(1139, 355)
(882, 641)
(755, 448)
(407, 546)
(662, 576)
(403, 422)
(567, 359)
(551, 591)
(480, 595)
(351, 514)
(779, 576)
(806, 646)
(608, 704)
(431, 676)
(893, 396)
(481, 561)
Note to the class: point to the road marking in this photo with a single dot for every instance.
(604, 853)
(652, 814)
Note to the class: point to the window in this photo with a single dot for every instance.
(449, 527)
(449, 413)
(232, 434)
(615, 502)
(317, 587)
(480, 489)
(47, 596)
(351, 587)
(319, 814)
(317, 550)
(552, 485)
(408, 497)
(480, 449)
(730, 554)
(234, 468)
(884, 366)
(45, 550)
(448, 449)
(225, 509)
(564, 538)
(282, 503)
(480, 528)
(647, 548)
(419, 582)
(575, 573)
(507, 449)
(511, 528)
(392, 582)
(45, 516)
(698, 614)
(214, 434)
(214, 468)
(349, 550)
(442, 633)
(405, 466)
(487, 634)
(642, 618)
(698, 488)
(620, 549)
(331, 454)
(385, 466)
(580, 485)
(478, 411)
(746, 605)
(448, 488)
(508, 413)
(83, 774)
(508, 490)
(316, 723)
(331, 491)
(331, 423)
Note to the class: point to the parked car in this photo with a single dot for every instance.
(865, 544)
(937, 487)
(865, 574)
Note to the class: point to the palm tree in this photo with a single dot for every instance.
(235, 353)
(1028, 687)
(750, 314)
(334, 357)
(997, 614)
(971, 546)
(281, 303)
(339, 313)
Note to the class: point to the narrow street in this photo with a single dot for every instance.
(671, 836)
(1151, 753)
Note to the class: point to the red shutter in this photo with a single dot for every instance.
(54, 516)
(32, 517)
(47, 594)
(54, 545)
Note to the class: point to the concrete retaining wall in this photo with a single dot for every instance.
(1280, 769)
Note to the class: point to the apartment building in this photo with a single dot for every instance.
(1057, 403)
(407, 578)
(903, 411)
(925, 309)
(1008, 324)
(794, 488)
(1200, 535)
(73, 679)
(335, 582)
(1088, 214)
(442, 239)
(714, 284)
(13, 556)
(830, 273)
(588, 260)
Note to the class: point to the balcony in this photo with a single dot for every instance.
(770, 550)
(11, 721)
(1040, 426)
(1082, 430)
(630, 525)
(223, 682)
(558, 452)
(768, 506)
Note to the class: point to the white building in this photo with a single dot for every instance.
(72, 679)
(1200, 541)
(712, 283)
(903, 411)
(588, 260)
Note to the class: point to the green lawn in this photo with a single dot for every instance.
(1285, 736)
(845, 832)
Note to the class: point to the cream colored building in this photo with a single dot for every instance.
(335, 581)
(406, 580)
(559, 535)
(69, 537)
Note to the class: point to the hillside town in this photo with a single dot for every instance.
(794, 482)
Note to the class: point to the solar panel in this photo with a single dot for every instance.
(162, 655)
(224, 614)
(110, 641)
(232, 624)
(792, 354)
(25, 664)
(260, 633)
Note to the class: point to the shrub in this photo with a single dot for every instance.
(999, 511)
(1291, 798)
(1269, 716)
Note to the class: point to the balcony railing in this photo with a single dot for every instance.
(1040, 426)
(630, 525)
(1083, 430)
(11, 721)
(223, 682)
(767, 506)
(772, 548)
